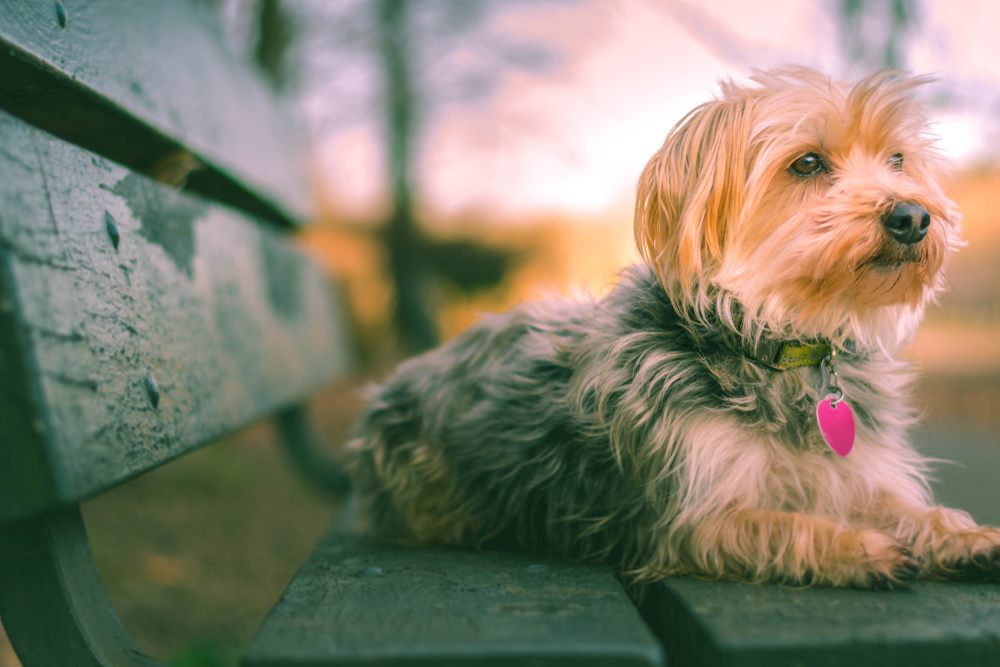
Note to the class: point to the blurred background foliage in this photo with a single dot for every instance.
(470, 154)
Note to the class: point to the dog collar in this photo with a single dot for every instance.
(786, 355)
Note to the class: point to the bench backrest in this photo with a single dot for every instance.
(138, 321)
(136, 81)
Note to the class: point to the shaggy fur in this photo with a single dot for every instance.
(638, 429)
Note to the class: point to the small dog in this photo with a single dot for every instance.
(734, 407)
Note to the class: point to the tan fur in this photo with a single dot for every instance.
(716, 207)
(716, 204)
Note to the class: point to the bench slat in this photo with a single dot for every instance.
(135, 81)
(199, 322)
(358, 601)
(739, 625)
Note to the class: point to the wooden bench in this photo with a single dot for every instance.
(139, 321)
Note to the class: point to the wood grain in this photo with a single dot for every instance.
(145, 82)
(362, 602)
(198, 322)
(740, 625)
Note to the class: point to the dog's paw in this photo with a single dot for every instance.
(880, 562)
(968, 554)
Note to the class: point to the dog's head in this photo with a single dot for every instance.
(813, 205)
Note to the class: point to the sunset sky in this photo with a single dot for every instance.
(572, 138)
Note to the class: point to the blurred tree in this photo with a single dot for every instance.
(874, 31)
(416, 58)
(407, 264)
(875, 34)
(262, 32)
(425, 57)
(276, 32)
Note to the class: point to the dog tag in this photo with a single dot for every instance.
(836, 423)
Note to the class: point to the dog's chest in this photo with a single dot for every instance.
(782, 404)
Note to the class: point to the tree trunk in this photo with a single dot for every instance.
(407, 266)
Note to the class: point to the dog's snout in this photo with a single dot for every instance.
(907, 222)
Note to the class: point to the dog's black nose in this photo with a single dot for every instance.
(907, 222)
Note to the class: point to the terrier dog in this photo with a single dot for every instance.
(734, 407)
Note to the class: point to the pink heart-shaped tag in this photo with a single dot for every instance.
(836, 423)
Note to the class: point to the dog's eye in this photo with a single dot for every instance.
(896, 161)
(807, 165)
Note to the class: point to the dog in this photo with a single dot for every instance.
(735, 407)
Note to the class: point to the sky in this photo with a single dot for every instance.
(571, 139)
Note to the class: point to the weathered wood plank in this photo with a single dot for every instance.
(740, 625)
(358, 601)
(137, 81)
(149, 322)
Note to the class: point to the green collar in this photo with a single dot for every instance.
(785, 356)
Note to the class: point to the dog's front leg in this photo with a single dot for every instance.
(947, 542)
(798, 548)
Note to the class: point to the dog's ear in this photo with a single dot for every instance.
(691, 193)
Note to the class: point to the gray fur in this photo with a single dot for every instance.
(541, 422)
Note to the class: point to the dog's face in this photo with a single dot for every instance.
(814, 204)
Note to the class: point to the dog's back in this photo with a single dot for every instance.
(483, 441)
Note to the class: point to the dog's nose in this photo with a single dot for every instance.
(907, 222)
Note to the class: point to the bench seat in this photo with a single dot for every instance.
(741, 625)
(360, 601)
